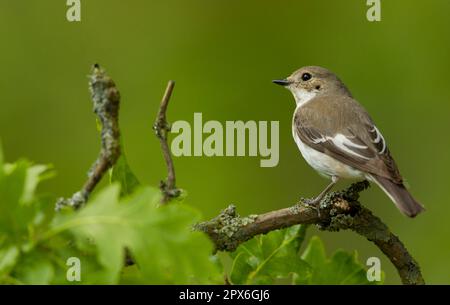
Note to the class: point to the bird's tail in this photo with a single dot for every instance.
(399, 195)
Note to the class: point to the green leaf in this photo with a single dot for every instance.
(23, 215)
(121, 172)
(8, 258)
(14, 217)
(241, 268)
(34, 268)
(160, 239)
(20, 209)
(341, 268)
(35, 175)
(268, 258)
(314, 253)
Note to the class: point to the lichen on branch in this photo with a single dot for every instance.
(106, 100)
(337, 211)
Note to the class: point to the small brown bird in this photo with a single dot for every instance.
(338, 138)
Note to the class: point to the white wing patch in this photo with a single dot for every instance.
(379, 137)
(320, 140)
(343, 143)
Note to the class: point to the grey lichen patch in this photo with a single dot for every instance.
(169, 191)
(296, 209)
(302, 206)
(338, 222)
(77, 200)
(106, 100)
(327, 201)
(229, 222)
(224, 227)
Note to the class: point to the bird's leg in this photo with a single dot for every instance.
(316, 201)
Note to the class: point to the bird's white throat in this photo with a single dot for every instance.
(302, 96)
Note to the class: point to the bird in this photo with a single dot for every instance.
(338, 138)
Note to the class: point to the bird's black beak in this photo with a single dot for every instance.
(281, 82)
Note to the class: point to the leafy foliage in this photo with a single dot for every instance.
(274, 258)
(123, 220)
(266, 258)
(340, 268)
(35, 243)
(160, 239)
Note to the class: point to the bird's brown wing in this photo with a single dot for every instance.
(342, 129)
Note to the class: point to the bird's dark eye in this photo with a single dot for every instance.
(306, 76)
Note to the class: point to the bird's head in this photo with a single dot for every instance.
(309, 82)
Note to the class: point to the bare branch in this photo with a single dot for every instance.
(338, 211)
(106, 100)
(162, 128)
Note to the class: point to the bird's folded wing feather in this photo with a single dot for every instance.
(343, 130)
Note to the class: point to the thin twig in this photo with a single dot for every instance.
(162, 128)
(106, 100)
(338, 211)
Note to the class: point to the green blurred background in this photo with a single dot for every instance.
(223, 56)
